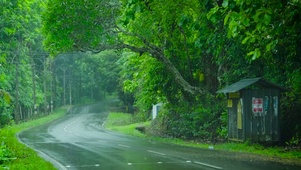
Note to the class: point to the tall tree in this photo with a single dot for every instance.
(20, 42)
(102, 30)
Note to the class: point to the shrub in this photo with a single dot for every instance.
(199, 120)
(5, 153)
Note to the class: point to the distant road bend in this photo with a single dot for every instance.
(79, 141)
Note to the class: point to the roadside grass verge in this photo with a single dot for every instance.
(122, 122)
(15, 155)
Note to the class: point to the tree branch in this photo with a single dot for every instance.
(155, 52)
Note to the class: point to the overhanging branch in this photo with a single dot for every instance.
(155, 52)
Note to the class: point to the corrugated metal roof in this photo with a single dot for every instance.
(247, 82)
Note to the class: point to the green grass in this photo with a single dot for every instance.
(16, 155)
(122, 123)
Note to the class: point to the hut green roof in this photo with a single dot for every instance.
(247, 82)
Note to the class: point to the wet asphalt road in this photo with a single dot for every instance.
(78, 141)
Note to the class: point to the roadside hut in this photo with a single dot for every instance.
(253, 110)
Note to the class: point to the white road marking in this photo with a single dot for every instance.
(82, 166)
(142, 163)
(126, 146)
(156, 152)
(208, 165)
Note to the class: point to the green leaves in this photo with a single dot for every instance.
(20, 24)
(244, 41)
(180, 44)
(225, 3)
(6, 96)
(211, 14)
(257, 25)
(227, 18)
(254, 54)
(85, 25)
(262, 16)
(5, 153)
(184, 20)
(233, 29)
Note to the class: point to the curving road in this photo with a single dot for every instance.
(78, 141)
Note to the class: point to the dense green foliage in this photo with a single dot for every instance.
(82, 77)
(175, 52)
(180, 52)
(20, 50)
(33, 83)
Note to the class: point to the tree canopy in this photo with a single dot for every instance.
(32, 83)
(20, 49)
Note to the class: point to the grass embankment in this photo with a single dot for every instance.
(123, 123)
(15, 155)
